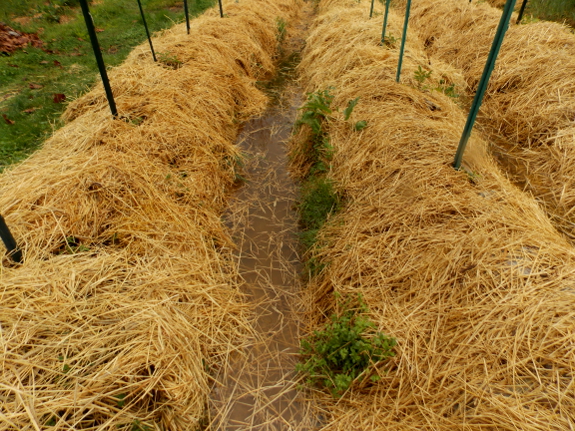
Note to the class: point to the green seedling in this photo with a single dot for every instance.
(390, 40)
(345, 350)
(360, 125)
(169, 60)
(421, 75)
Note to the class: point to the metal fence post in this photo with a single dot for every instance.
(187, 15)
(489, 66)
(221, 9)
(385, 21)
(98, 55)
(147, 31)
(13, 251)
(403, 38)
(521, 11)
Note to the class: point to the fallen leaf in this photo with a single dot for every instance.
(8, 120)
(30, 111)
(11, 40)
(44, 62)
(59, 97)
(35, 86)
(13, 65)
(58, 64)
(99, 30)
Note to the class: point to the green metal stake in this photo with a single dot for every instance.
(489, 66)
(13, 251)
(221, 9)
(521, 11)
(187, 15)
(401, 50)
(98, 55)
(371, 10)
(385, 21)
(147, 31)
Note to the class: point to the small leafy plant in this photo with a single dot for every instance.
(421, 75)
(345, 349)
(169, 60)
(315, 113)
(73, 246)
(448, 90)
(390, 40)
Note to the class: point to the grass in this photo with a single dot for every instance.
(30, 78)
(552, 10)
(549, 10)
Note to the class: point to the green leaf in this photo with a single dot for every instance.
(360, 125)
(350, 105)
(344, 349)
(121, 400)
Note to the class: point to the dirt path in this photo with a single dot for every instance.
(259, 392)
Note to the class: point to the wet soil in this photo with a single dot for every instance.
(258, 391)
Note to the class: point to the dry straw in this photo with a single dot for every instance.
(529, 106)
(127, 301)
(462, 268)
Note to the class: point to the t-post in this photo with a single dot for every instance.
(521, 10)
(147, 31)
(187, 13)
(98, 55)
(13, 251)
(385, 21)
(482, 86)
(221, 9)
(402, 49)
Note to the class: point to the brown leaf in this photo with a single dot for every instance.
(57, 64)
(99, 30)
(8, 120)
(30, 111)
(35, 86)
(59, 97)
(44, 62)
(11, 40)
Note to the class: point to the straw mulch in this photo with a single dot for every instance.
(127, 301)
(462, 268)
(529, 106)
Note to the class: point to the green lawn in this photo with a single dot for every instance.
(30, 78)
(552, 10)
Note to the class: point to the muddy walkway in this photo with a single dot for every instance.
(258, 391)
